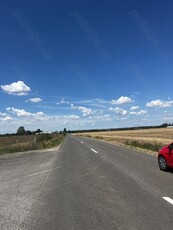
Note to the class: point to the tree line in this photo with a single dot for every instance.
(21, 130)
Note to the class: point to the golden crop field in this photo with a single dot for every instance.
(155, 138)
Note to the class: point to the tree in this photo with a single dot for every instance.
(65, 131)
(39, 131)
(21, 131)
(28, 132)
(164, 125)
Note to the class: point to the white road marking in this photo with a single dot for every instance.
(34, 174)
(168, 199)
(81, 142)
(94, 150)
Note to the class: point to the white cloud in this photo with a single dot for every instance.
(107, 117)
(122, 100)
(168, 119)
(73, 117)
(159, 104)
(35, 100)
(119, 111)
(40, 114)
(23, 113)
(134, 107)
(121, 118)
(16, 88)
(141, 112)
(8, 118)
(101, 101)
(3, 114)
(63, 102)
(85, 111)
(18, 112)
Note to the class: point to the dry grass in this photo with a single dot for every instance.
(13, 144)
(146, 139)
(15, 140)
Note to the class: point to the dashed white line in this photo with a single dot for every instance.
(81, 142)
(168, 200)
(94, 150)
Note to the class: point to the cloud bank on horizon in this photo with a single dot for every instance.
(80, 114)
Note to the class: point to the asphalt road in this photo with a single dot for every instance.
(85, 185)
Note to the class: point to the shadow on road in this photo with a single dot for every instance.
(170, 170)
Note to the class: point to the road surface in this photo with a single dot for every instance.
(85, 185)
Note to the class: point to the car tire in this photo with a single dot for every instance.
(162, 163)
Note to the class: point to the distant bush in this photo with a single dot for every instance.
(44, 137)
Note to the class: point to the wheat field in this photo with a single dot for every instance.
(156, 138)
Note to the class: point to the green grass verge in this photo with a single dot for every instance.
(144, 145)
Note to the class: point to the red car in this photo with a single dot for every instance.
(165, 157)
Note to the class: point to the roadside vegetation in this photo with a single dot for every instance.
(149, 140)
(24, 142)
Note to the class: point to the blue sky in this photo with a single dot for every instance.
(85, 64)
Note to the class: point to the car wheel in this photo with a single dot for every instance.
(162, 163)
